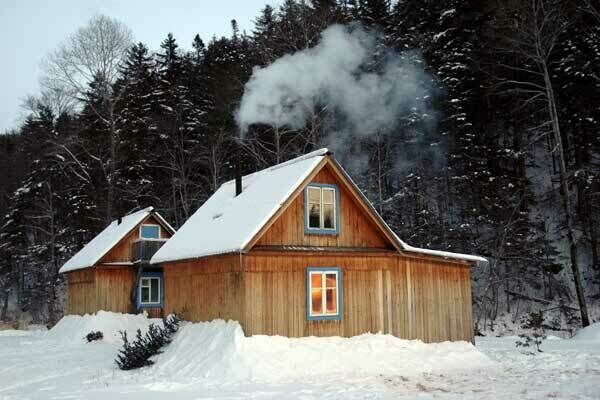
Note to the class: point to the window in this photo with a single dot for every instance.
(150, 290)
(322, 214)
(324, 291)
(148, 231)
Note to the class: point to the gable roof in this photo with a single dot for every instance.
(227, 223)
(97, 248)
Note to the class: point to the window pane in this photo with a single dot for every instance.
(145, 295)
(331, 301)
(316, 281)
(330, 280)
(150, 231)
(328, 216)
(154, 291)
(317, 301)
(145, 282)
(314, 195)
(314, 218)
(328, 196)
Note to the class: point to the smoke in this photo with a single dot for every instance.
(366, 88)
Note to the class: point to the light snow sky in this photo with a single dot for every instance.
(29, 29)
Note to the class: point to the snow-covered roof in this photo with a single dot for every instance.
(226, 223)
(92, 252)
(439, 253)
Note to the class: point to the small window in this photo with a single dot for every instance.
(150, 289)
(323, 293)
(321, 209)
(148, 231)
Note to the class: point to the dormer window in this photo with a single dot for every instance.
(321, 212)
(149, 231)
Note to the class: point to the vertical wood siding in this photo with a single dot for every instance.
(206, 289)
(113, 289)
(94, 289)
(356, 230)
(407, 297)
(81, 292)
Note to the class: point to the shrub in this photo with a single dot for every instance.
(137, 353)
(535, 335)
(92, 336)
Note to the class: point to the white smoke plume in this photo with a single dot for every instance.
(365, 87)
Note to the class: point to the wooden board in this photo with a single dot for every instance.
(114, 288)
(356, 229)
(409, 298)
(205, 289)
(81, 292)
(93, 289)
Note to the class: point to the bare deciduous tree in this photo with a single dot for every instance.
(535, 28)
(93, 54)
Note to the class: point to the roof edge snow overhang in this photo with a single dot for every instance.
(401, 245)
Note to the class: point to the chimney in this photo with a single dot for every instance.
(119, 220)
(237, 155)
(238, 178)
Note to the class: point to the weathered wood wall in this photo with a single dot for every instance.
(205, 289)
(81, 292)
(356, 230)
(113, 289)
(93, 289)
(122, 251)
(408, 297)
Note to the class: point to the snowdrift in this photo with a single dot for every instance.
(73, 328)
(589, 333)
(219, 351)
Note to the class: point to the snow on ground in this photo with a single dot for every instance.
(214, 360)
(589, 333)
(73, 328)
(220, 351)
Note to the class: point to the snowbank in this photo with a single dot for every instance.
(73, 328)
(219, 350)
(589, 333)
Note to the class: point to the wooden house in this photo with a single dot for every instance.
(112, 271)
(298, 250)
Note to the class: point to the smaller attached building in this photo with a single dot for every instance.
(112, 273)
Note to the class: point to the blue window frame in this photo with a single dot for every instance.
(149, 231)
(150, 290)
(322, 209)
(324, 293)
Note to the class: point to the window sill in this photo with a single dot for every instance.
(325, 318)
(316, 231)
(150, 305)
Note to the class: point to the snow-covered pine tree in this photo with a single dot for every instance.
(137, 130)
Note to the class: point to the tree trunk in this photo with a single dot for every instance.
(5, 305)
(564, 192)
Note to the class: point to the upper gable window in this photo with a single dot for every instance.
(322, 213)
(149, 231)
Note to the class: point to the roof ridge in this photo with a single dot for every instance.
(320, 152)
(143, 210)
